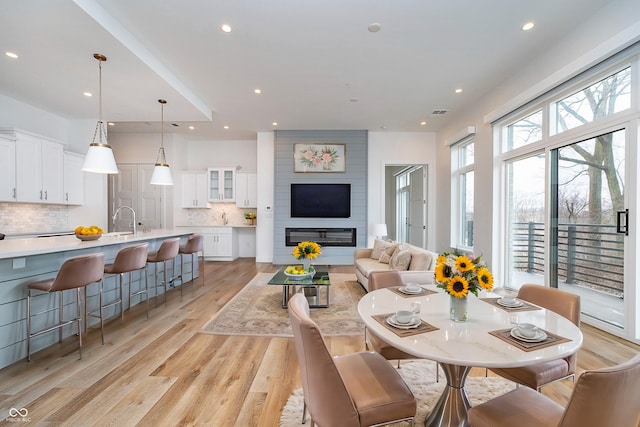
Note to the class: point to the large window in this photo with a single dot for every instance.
(564, 168)
(462, 164)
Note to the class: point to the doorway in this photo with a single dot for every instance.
(406, 203)
(131, 187)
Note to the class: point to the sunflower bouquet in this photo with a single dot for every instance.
(459, 274)
(308, 250)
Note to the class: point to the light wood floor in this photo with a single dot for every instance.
(162, 372)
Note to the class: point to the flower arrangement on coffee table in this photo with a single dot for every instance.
(307, 250)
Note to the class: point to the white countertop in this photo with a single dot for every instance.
(14, 248)
(468, 343)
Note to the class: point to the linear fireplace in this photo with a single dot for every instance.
(322, 236)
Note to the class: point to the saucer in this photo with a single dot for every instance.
(517, 303)
(406, 290)
(540, 336)
(391, 320)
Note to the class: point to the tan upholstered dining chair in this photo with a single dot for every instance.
(359, 389)
(603, 397)
(536, 376)
(380, 280)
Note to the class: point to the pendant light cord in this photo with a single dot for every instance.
(100, 125)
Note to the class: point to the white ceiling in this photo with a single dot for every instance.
(310, 58)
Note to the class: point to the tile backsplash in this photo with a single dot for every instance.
(214, 215)
(26, 218)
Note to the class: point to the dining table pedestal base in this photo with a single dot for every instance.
(452, 407)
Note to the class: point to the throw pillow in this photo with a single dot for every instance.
(400, 260)
(386, 255)
(379, 247)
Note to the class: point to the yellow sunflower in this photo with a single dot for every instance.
(463, 264)
(485, 278)
(458, 287)
(443, 272)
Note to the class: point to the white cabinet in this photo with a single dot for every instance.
(221, 184)
(73, 179)
(39, 166)
(195, 189)
(220, 243)
(246, 190)
(7, 170)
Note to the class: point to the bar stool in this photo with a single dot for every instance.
(75, 273)
(168, 250)
(128, 259)
(194, 245)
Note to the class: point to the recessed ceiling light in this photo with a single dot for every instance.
(423, 123)
(111, 123)
(257, 91)
(87, 93)
(225, 126)
(353, 99)
(275, 123)
(383, 127)
(374, 27)
(528, 26)
(225, 28)
(11, 55)
(459, 90)
(191, 127)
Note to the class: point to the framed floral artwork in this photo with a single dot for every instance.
(319, 157)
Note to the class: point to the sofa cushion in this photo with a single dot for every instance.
(400, 260)
(378, 248)
(422, 260)
(387, 254)
(367, 265)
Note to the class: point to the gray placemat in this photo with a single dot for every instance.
(524, 307)
(422, 328)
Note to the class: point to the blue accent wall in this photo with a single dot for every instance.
(355, 174)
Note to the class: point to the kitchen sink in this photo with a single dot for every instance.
(117, 233)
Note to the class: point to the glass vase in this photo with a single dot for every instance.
(306, 264)
(458, 309)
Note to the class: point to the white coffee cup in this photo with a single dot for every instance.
(527, 330)
(508, 299)
(404, 316)
(412, 287)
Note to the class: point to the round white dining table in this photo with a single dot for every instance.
(459, 346)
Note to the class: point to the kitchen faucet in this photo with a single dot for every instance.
(113, 219)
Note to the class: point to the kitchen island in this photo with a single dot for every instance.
(30, 259)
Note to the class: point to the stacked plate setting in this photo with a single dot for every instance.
(513, 303)
(414, 323)
(411, 289)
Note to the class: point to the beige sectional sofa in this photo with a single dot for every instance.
(414, 264)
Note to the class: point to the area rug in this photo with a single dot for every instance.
(257, 310)
(420, 377)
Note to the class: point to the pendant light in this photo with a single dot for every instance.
(161, 172)
(99, 158)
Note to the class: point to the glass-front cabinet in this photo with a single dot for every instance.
(221, 184)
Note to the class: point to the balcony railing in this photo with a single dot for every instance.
(588, 255)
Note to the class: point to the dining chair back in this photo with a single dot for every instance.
(359, 389)
(380, 280)
(564, 303)
(603, 397)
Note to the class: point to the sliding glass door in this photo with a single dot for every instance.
(589, 224)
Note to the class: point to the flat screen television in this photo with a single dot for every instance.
(320, 200)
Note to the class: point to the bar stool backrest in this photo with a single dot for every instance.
(79, 271)
(195, 243)
(168, 249)
(130, 258)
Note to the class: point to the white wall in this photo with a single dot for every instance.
(616, 27)
(266, 181)
(398, 148)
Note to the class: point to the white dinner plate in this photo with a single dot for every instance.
(413, 324)
(517, 303)
(540, 336)
(405, 290)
